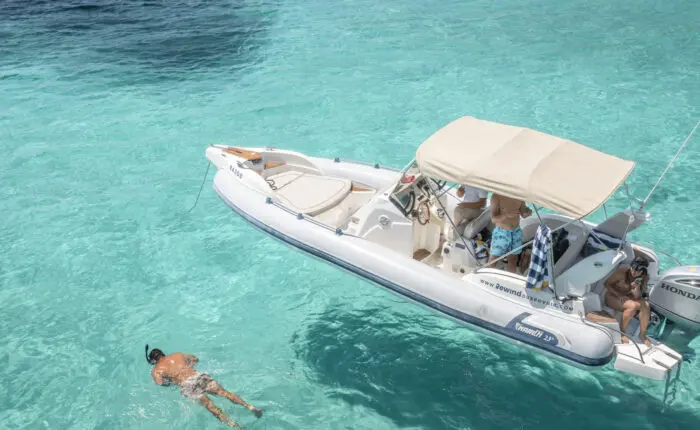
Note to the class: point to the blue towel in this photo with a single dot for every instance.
(537, 272)
(598, 241)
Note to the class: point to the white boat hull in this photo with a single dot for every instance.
(491, 301)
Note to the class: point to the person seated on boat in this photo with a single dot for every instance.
(626, 291)
(507, 235)
(472, 204)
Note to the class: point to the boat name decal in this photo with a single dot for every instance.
(520, 293)
(235, 171)
(680, 292)
(528, 330)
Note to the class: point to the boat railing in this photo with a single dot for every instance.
(607, 331)
(491, 264)
(523, 246)
(300, 216)
(659, 251)
(365, 163)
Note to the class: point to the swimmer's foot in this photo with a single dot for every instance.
(232, 423)
(646, 340)
(257, 411)
(625, 339)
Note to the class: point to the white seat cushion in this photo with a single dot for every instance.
(477, 224)
(578, 279)
(281, 179)
(310, 194)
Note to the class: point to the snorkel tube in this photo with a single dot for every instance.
(148, 359)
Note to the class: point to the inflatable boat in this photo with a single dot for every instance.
(394, 227)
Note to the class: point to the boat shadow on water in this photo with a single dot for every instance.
(418, 371)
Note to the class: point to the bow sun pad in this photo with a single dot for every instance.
(307, 193)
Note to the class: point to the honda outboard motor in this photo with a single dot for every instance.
(676, 296)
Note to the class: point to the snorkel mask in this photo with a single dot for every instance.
(640, 265)
(154, 356)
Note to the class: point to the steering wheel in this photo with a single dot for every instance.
(423, 213)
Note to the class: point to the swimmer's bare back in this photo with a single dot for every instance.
(174, 369)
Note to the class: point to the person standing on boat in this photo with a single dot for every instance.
(625, 289)
(507, 235)
(472, 204)
(177, 368)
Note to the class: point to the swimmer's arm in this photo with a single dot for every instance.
(158, 377)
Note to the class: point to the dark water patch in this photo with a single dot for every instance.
(19, 9)
(85, 7)
(23, 9)
(421, 377)
(162, 40)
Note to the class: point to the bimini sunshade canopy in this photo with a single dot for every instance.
(521, 163)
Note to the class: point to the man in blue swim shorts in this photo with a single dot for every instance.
(507, 235)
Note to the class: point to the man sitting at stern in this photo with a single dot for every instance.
(625, 290)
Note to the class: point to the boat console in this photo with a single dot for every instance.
(415, 197)
(411, 191)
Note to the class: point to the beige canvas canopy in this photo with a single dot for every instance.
(518, 162)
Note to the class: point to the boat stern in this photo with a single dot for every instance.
(653, 362)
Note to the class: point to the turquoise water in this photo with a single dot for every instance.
(106, 110)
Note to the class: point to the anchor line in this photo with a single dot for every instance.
(687, 139)
(201, 187)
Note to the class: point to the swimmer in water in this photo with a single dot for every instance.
(177, 368)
